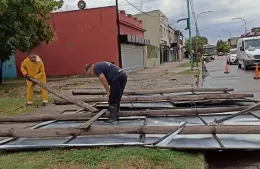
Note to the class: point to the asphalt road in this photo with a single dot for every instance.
(242, 81)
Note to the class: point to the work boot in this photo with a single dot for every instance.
(29, 103)
(44, 104)
(118, 107)
(112, 119)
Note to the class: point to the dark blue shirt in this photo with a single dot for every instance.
(109, 70)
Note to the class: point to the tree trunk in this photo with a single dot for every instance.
(141, 92)
(67, 98)
(148, 113)
(104, 130)
(158, 98)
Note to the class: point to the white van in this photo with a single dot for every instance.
(248, 52)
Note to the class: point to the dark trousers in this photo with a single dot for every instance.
(116, 90)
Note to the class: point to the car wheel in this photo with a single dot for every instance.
(239, 65)
(244, 66)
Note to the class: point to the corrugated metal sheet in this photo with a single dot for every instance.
(132, 56)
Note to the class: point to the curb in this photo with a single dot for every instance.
(200, 78)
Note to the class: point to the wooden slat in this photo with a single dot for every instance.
(93, 119)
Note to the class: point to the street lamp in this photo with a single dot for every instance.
(242, 20)
(196, 22)
(203, 29)
(197, 34)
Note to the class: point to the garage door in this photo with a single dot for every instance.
(132, 56)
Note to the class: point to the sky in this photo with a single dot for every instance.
(214, 25)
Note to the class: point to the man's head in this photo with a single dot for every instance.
(32, 57)
(89, 69)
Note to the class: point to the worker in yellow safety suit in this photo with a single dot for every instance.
(33, 66)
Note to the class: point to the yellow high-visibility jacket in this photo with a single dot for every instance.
(33, 69)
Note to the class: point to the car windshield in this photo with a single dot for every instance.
(233, 52)
(253, 43)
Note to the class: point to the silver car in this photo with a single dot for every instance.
(232, 57)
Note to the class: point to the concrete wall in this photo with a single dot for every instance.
(131, 25)
(234, 40)
(152, 26)
(165, 29)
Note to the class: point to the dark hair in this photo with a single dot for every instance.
(88, 66)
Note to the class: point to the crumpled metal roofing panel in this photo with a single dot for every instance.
(175, 140)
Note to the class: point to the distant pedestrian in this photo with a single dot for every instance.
(114, 80)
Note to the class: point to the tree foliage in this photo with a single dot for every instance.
(222, 46)
(24, 24)
(200, 42)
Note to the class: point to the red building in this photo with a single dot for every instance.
(89, 36)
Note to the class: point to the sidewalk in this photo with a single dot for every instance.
(167, 75)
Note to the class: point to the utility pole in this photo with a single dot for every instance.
(190, 41)
(141, 5)
(197, 38)
(118, 36)
(178, 44)
(82, 5)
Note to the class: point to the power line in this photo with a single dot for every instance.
(171, 23)
(249, 22)
(148, 1)
(193, 12)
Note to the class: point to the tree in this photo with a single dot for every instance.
(222, 46)
(200, 42)
(24, 25)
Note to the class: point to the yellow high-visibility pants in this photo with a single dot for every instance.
(29, 92)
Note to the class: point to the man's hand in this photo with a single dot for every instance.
(27, 76)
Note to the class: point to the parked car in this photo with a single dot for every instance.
(232, 57)
(212, 57)
(220, 54)
(248, 52)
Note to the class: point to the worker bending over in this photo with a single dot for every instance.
(114, 80)
(33, 66)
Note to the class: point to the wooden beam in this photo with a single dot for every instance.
(159, 98)
(87, 125)
(142, 92)
(105, 130)
(149, 113)
(63, 97)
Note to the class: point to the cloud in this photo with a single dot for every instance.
(218, 22)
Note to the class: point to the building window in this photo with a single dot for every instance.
(161, 31)
(164, 32)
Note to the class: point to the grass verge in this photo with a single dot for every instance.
(102, 158)
(13, 100)
(189, 72)
(187, 64)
